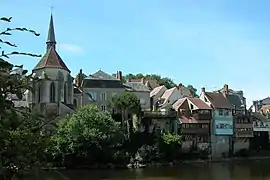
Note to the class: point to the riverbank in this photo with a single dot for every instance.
(160, 164)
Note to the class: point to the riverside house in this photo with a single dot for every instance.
(194, 123)
(222, 123)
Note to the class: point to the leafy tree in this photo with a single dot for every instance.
(127, 103)
(193, 90)
(170, 145)
(160, 80)
(89, 134)
(22, 143)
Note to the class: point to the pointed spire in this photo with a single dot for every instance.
(51, 36)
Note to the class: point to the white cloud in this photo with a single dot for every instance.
(72, 48)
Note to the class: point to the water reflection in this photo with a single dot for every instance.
(256, 170)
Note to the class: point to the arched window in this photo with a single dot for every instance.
(39, 92)
(52, 92)
(75, 102)
(65, 93)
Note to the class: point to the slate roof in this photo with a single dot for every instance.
(218, 100)
(102, 75)
(51, 60)
(259, 116)
(235, 100)
(100, 83)
(137, 86)
(76, 90)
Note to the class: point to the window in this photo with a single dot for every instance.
(75, 102)
(205, 100)
(52, 92)
(65, 93)
(103, 108)
(220, 112)
(191, 106)
(39, 93)
(204, 126)
(92, 96)
(142, 101)
(103, 96)
(226, 112)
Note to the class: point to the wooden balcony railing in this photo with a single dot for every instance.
(205, 131)
(202, 116)
(159, 114)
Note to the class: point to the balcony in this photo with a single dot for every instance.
(195, 128)
(159, 114)
(204, 131)
(244, 132)
(202, 115)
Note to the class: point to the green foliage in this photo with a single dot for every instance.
(193, 91)
(160, 80)
(89, 133)
(126, 101)
(170, 146)
(22, 143)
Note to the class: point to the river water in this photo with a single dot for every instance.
(249, 170)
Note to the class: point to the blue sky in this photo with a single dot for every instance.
(199, 42)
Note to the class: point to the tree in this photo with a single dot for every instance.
(160, 80)
(193, 90)
(88, 134)
(22, 143)
(127, 103)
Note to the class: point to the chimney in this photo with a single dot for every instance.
(203, 89)
(179, 85)
(79, 78)
(226, 89)
(119, 75)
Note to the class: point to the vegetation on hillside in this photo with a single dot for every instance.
(22, 143)
(160, 80)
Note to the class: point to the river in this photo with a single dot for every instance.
(249, 170)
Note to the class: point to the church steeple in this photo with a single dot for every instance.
(51, 36)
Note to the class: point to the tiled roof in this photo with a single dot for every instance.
(137, 86)
(156, 90)
(51, 60)
(218, 100)
(179, 103)
(187, 120)
(168, 93)
(199, 103)
(151, 83)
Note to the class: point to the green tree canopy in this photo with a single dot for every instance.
(161, 80)
(193, 91)
(89, 133)
(22, 143)
(127, 103)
